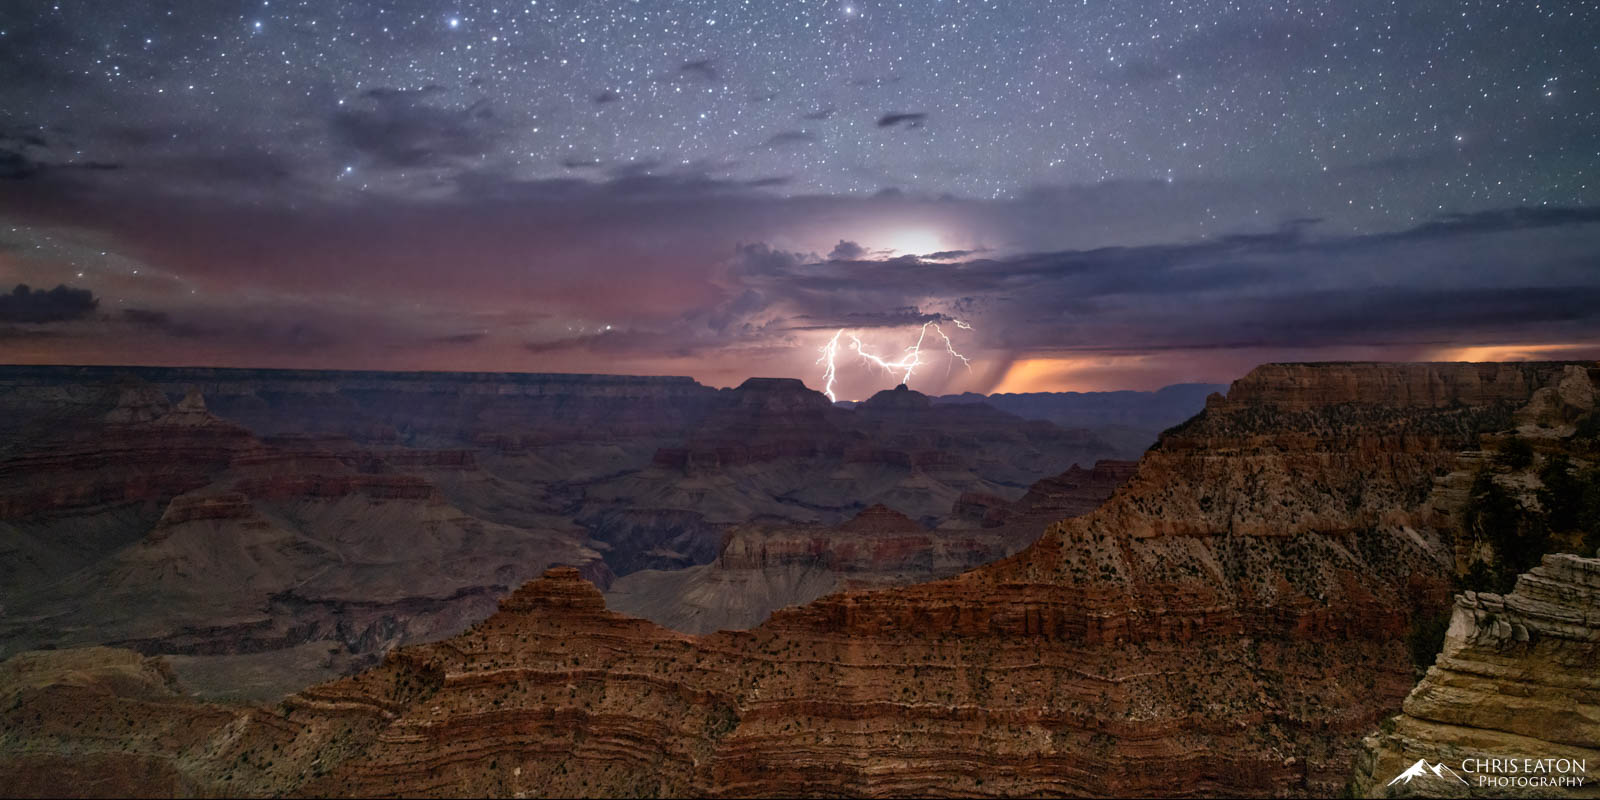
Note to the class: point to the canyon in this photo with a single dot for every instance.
(762, 568)
(269, 529)
(1231, 621)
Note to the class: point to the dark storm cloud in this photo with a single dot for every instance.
(1277, 288)
(906, 317)
(24, 155)
(488, 241)
(1501, 220)
(607, 96)
(400, 128)
(28, 305)
(297, 328)
(906, 119)
(15, 166)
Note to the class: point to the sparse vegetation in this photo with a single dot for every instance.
(1570, 499)
(1519, 537)
(1515, 454)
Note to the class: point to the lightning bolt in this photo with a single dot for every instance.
(905, 365)
(829, 352)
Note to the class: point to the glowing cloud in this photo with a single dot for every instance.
(915, 242)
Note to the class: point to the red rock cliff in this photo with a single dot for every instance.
(1229, 623)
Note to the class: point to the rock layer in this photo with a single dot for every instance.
(223, 514)
(1518, 678)
(762, 568)
(1230, 622)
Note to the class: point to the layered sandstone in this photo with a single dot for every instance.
(157, 525)
(1518, 678)
(272, 528)
(1230, 622)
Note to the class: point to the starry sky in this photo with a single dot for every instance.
(1080, 194)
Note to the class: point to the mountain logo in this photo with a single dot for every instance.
(1423, 768)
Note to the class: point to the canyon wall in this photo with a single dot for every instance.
(762, 568)
(1230, 622)
(1518, 678)
(269, 529)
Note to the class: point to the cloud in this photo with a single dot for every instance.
(15, 166)
(400, 128)
(706, 275)
(704, 69)
(472, 337)
(846, 251)
(39, 305)
(790, 138)
(162, 322)
(1282, 288)
(606, 96)
(26, 155)
(905, 119)
(1502, 220)
(820, 114)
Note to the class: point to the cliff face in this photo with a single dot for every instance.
(1131, 419)
(248, 522)
(379, 405)
(159, 526)
(1518, 678)
(897, 449)
(1230, 622)
(762, 568)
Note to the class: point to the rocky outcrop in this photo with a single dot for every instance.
(1431, 385)
(162, 527)
(222, 514)
(1229, 622)
(775, 451)
(1518, 678)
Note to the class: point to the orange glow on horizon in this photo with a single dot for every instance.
(1522, 352)
(1087, 374)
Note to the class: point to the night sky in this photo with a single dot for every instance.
(1103, 194)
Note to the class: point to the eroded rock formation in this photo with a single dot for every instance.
(1518, 678)
(1230, 622)
(272, 528)
(762, 568)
